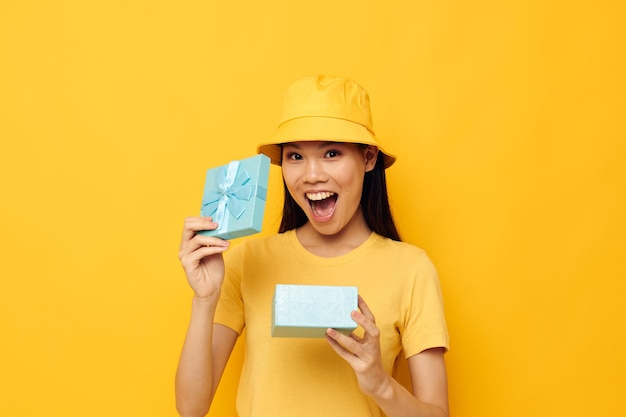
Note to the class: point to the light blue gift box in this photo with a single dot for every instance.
(308, 310)
(234, 196)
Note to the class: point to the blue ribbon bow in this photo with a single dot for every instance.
(232, 190)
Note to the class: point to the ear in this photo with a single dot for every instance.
(371, 155)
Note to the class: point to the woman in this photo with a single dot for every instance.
(336, 229)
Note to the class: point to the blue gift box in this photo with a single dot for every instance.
(308, 310)
(234, 196)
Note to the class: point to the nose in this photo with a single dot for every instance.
(314, 171)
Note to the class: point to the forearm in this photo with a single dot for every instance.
(396, 401)
(195, 385)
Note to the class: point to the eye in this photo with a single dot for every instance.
(333, 153)
(294, 156)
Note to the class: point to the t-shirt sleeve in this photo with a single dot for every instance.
(230, 308)
(425, 324)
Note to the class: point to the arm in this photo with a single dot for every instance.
(207, 346)
(427, 370)
(202, 362)
(430, 388)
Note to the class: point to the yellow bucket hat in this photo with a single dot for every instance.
(324, 108)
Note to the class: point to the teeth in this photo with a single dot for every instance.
(319, 196)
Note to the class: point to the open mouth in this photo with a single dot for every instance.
(322, 203)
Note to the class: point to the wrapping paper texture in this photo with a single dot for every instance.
(308, 310)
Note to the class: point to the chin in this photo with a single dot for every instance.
(326, 229)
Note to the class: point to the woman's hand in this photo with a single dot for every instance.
(363, 354)
(201, 257)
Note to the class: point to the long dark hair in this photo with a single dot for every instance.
(374, 203)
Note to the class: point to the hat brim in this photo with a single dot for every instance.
(308, 129)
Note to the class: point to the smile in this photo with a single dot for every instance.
(319, 196)
(322, 203)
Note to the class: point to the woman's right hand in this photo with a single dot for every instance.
(201, 257)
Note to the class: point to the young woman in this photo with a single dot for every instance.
(337, 229)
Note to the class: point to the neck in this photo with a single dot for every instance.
(331, 245)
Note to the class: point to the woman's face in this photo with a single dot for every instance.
(326, 181)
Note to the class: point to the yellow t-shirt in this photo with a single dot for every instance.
(305, 377)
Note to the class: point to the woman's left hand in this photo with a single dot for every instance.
(363, 354)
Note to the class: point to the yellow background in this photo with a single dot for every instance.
(508, 119)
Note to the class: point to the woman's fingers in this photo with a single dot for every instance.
(343, 345)
(200, 252)
(200, 247)
(350, 347)
(191, 240)
(201, 256)
(361, 353)
(365, 318)
(195, 224)
(365, 309)
(364, 347)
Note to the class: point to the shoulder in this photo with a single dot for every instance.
(402, 254)
(404, 248)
